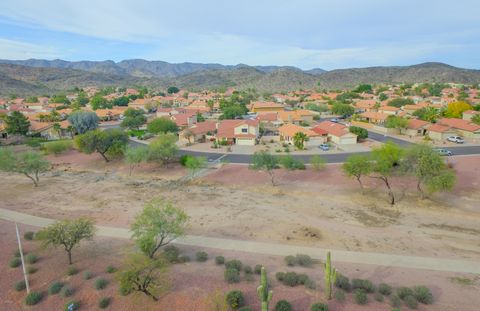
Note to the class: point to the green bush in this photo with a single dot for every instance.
(111, 269)
(360, 296)
(317, 162)
(103, 302)
(258, 269)
(100, 283)
(57, 147)
(15, 262)
(304, 260)
(283, 305)
(290, 279)
(363, 284)
(291, 260)
(342, 282)
(247, 269)
(279, 276)
(235, 299)
(201, 256)
(339, 295)
(290, 163)
(410, 302)
(378, 297)
(302, 278)
(74, 303)
(171, 253)
(403, 292)
(423, 294)
(395, 301)
(34, 142)
(183, 258)
(219, 260)
(33, 298)
(123, 291)
(31, 270)
(31, 258)
(17, 254)
(234, 264)
(55, 288)
(319, 307)
(67, 291)
(20, 285)
(29, 235)
(87, 275)
(72, 270)
(359, 131)
(384, 289)
(184, 158)
(232, 275)
(310, 284)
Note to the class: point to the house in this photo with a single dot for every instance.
(440, 132)
(416, 127)
(110, 114)
(239, 132)
(337, 133)
(374, 117)
(48, 130)
(198, 132)
(184, 120)
(295, 116)
(365, 105)
(260, 107)
(469, 114)
(390, 110)
(287, 133)
(464, 128)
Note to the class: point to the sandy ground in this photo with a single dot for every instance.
(322, 209)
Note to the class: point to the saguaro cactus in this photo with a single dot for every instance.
(330, 277)
(262, 291)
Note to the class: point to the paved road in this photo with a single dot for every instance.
(390, 260)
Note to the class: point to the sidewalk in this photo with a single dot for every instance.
(412, 262)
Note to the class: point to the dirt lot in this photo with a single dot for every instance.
(322, 209)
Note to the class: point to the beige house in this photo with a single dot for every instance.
(238, 132)
(416, 127)
(287, 133)
(440, 132)
(337, 133)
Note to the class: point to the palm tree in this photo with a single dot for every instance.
(299, 139)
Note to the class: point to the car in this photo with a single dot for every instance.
(334, 120)
(456, 139)
(444, 152)
(324, 147)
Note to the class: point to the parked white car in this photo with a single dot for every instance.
(456, 139)
(444, 152)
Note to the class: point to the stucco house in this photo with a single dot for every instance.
(337, 133)
(238, 132)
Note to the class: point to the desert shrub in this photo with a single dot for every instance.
(258, 269)
(290, 279)
(245, 309)
(234, 264)
(31, 270)
(100, 283)
(235, 299)
(111, 269)
(71, 305)
(15, 262)
(29, 235)
(378, 297)
(55, 288)
(395, 301)
(219, 260)
(183, 258)
(343, 282)
(291, 260)
(363, 284)
(232, 275)
(20, 285)
(247, 269)
(410, 302)
(384, 289)
(67, 291)
(279, 276)
(184, 158)
(72, 270)
(339, 295)
(171, 253)
(291, 163)
(360, 296)
(304, 260)
(302, 278)
(319, 307)
(57, 147)
(124, 291)
(283, 305)
(310, 284)
(17, 254)
(201, 256)
(403, 292)
(103, 302)
(423, 295)
(31, 258)
(33, 298)
(87, 275)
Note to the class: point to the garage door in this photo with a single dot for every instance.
(245, 141)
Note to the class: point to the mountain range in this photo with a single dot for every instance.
(36, 76)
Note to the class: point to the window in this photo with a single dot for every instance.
(244, 130)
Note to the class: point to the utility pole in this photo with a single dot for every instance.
(23, 262)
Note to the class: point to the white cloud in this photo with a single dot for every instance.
(11, 49)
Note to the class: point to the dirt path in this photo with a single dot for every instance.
(412, 262)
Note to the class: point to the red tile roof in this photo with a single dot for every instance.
(226, 128)
(335, 129)
(416, 124)
(460, 124)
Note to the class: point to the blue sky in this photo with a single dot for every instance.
(325, 34)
